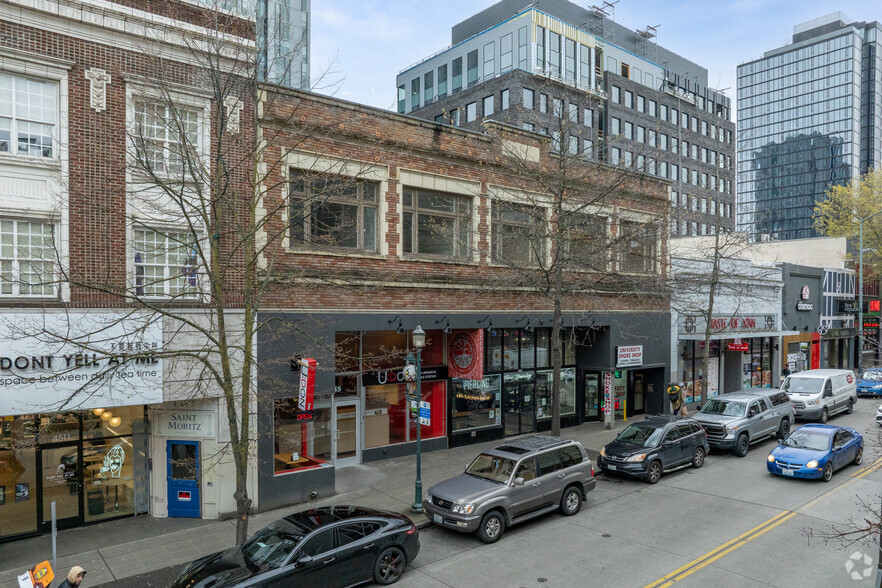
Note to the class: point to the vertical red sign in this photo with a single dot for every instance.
(465, 354)
(307, 384)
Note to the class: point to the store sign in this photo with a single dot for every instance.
(307, 388)
(738, 345)
(751, 323)
(425, 413)
(383, 377)
(805, 293)
(873, 306)
(629, 355)
(848, 307)
(465, 354)
(801, 305)
(78, 360)
(184, 423)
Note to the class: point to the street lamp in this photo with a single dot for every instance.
(861, 288)
(418, 336)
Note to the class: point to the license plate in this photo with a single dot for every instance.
(611, 467)
(787, 472)
(438, 519)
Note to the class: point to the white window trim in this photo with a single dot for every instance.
(53, 171)
(46, 218)
(408, 178)
(164, 228)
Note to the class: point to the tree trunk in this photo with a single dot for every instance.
(556, 359)
(715, 276)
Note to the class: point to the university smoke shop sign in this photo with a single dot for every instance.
(78, 360)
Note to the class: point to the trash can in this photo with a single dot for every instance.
(95, 501)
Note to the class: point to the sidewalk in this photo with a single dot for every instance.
(128, 547)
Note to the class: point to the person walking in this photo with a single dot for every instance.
(74, 577)
(677, 398)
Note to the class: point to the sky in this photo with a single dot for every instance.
(359, 46)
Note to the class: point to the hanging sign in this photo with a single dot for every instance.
(307, 388)
(738, 345)
(629, 355)
(465, 354)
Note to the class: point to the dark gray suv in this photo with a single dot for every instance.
(519, 480)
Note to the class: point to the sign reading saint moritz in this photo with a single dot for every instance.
(78, 360)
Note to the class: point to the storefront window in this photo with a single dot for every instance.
(110, 422)
(476, 403)
(592, 395)
(435, 393)
(528, 348)
(346, 385)
(18, 476)
(543, 347)
(383, 350)
(346, 351)
(59, 427)
(297, 444)
(433, 352)
(567, 392)
(761, 362)
(108, 476)
(387, 407)
(510, 357)
(494, 351)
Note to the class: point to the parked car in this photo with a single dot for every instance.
(816, 451)
(819, 394)
(330, 546)
(870, 382)
(734, 421)
(657, 444)
(521, 479)
(879, 415)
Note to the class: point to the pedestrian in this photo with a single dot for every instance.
(677, 398)
(786, 371)
(74, 577)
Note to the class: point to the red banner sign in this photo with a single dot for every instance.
(307, 385)
(465, 354)
(738, 345)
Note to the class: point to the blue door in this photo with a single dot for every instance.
(183, 478)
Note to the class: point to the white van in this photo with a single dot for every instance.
(819, 394)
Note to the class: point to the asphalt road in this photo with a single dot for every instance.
(730, 523)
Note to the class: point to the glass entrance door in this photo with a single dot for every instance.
(62, 482)
(519, 403)
(346, 441)
(592, 396)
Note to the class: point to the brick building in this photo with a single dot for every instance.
(352, 303)
(89, 396)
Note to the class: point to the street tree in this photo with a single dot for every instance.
(584, 224)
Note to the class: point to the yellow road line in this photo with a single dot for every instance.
(715, 554)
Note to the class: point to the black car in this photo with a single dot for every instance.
(657, 444)
(330, 546)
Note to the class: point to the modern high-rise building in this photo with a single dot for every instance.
(282, 35)
(625, 99)
(809, 117)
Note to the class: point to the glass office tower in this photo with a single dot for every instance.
(808, 118)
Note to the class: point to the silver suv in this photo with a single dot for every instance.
(734, 421)
(519, 480)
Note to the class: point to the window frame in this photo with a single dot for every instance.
(536, 226)
(168, 278)
(14, 119)
(647, 241)
(462, 223)
(308, 194)
(16, 261)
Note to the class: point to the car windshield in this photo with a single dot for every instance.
(873, 375)
(491, 467)
(640, 435)
(724, 407)
(272, 545)
(808, 440)
(797, 385)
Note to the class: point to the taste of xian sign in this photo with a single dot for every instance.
(78, 360)
(693, 324)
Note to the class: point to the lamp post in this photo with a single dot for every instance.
(861, 288)
(418, 336)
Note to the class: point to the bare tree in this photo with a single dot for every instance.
(568, 228)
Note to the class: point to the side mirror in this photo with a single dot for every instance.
(667, 443)
(518, 481)
(304, 559)
(828, 393)
(837, 447)
(466, 467)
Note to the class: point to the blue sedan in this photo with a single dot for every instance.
(870, 382)
(816, 451)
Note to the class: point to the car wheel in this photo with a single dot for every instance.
(492, 526)
(823, 418)
(850, 408)
(654, 473)
(783, 429)
(742, 445)
(389, 566)
(698, 457)
(859, 457)
(828, 472)
(571, 501)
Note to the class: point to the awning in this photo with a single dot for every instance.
(751, 335)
